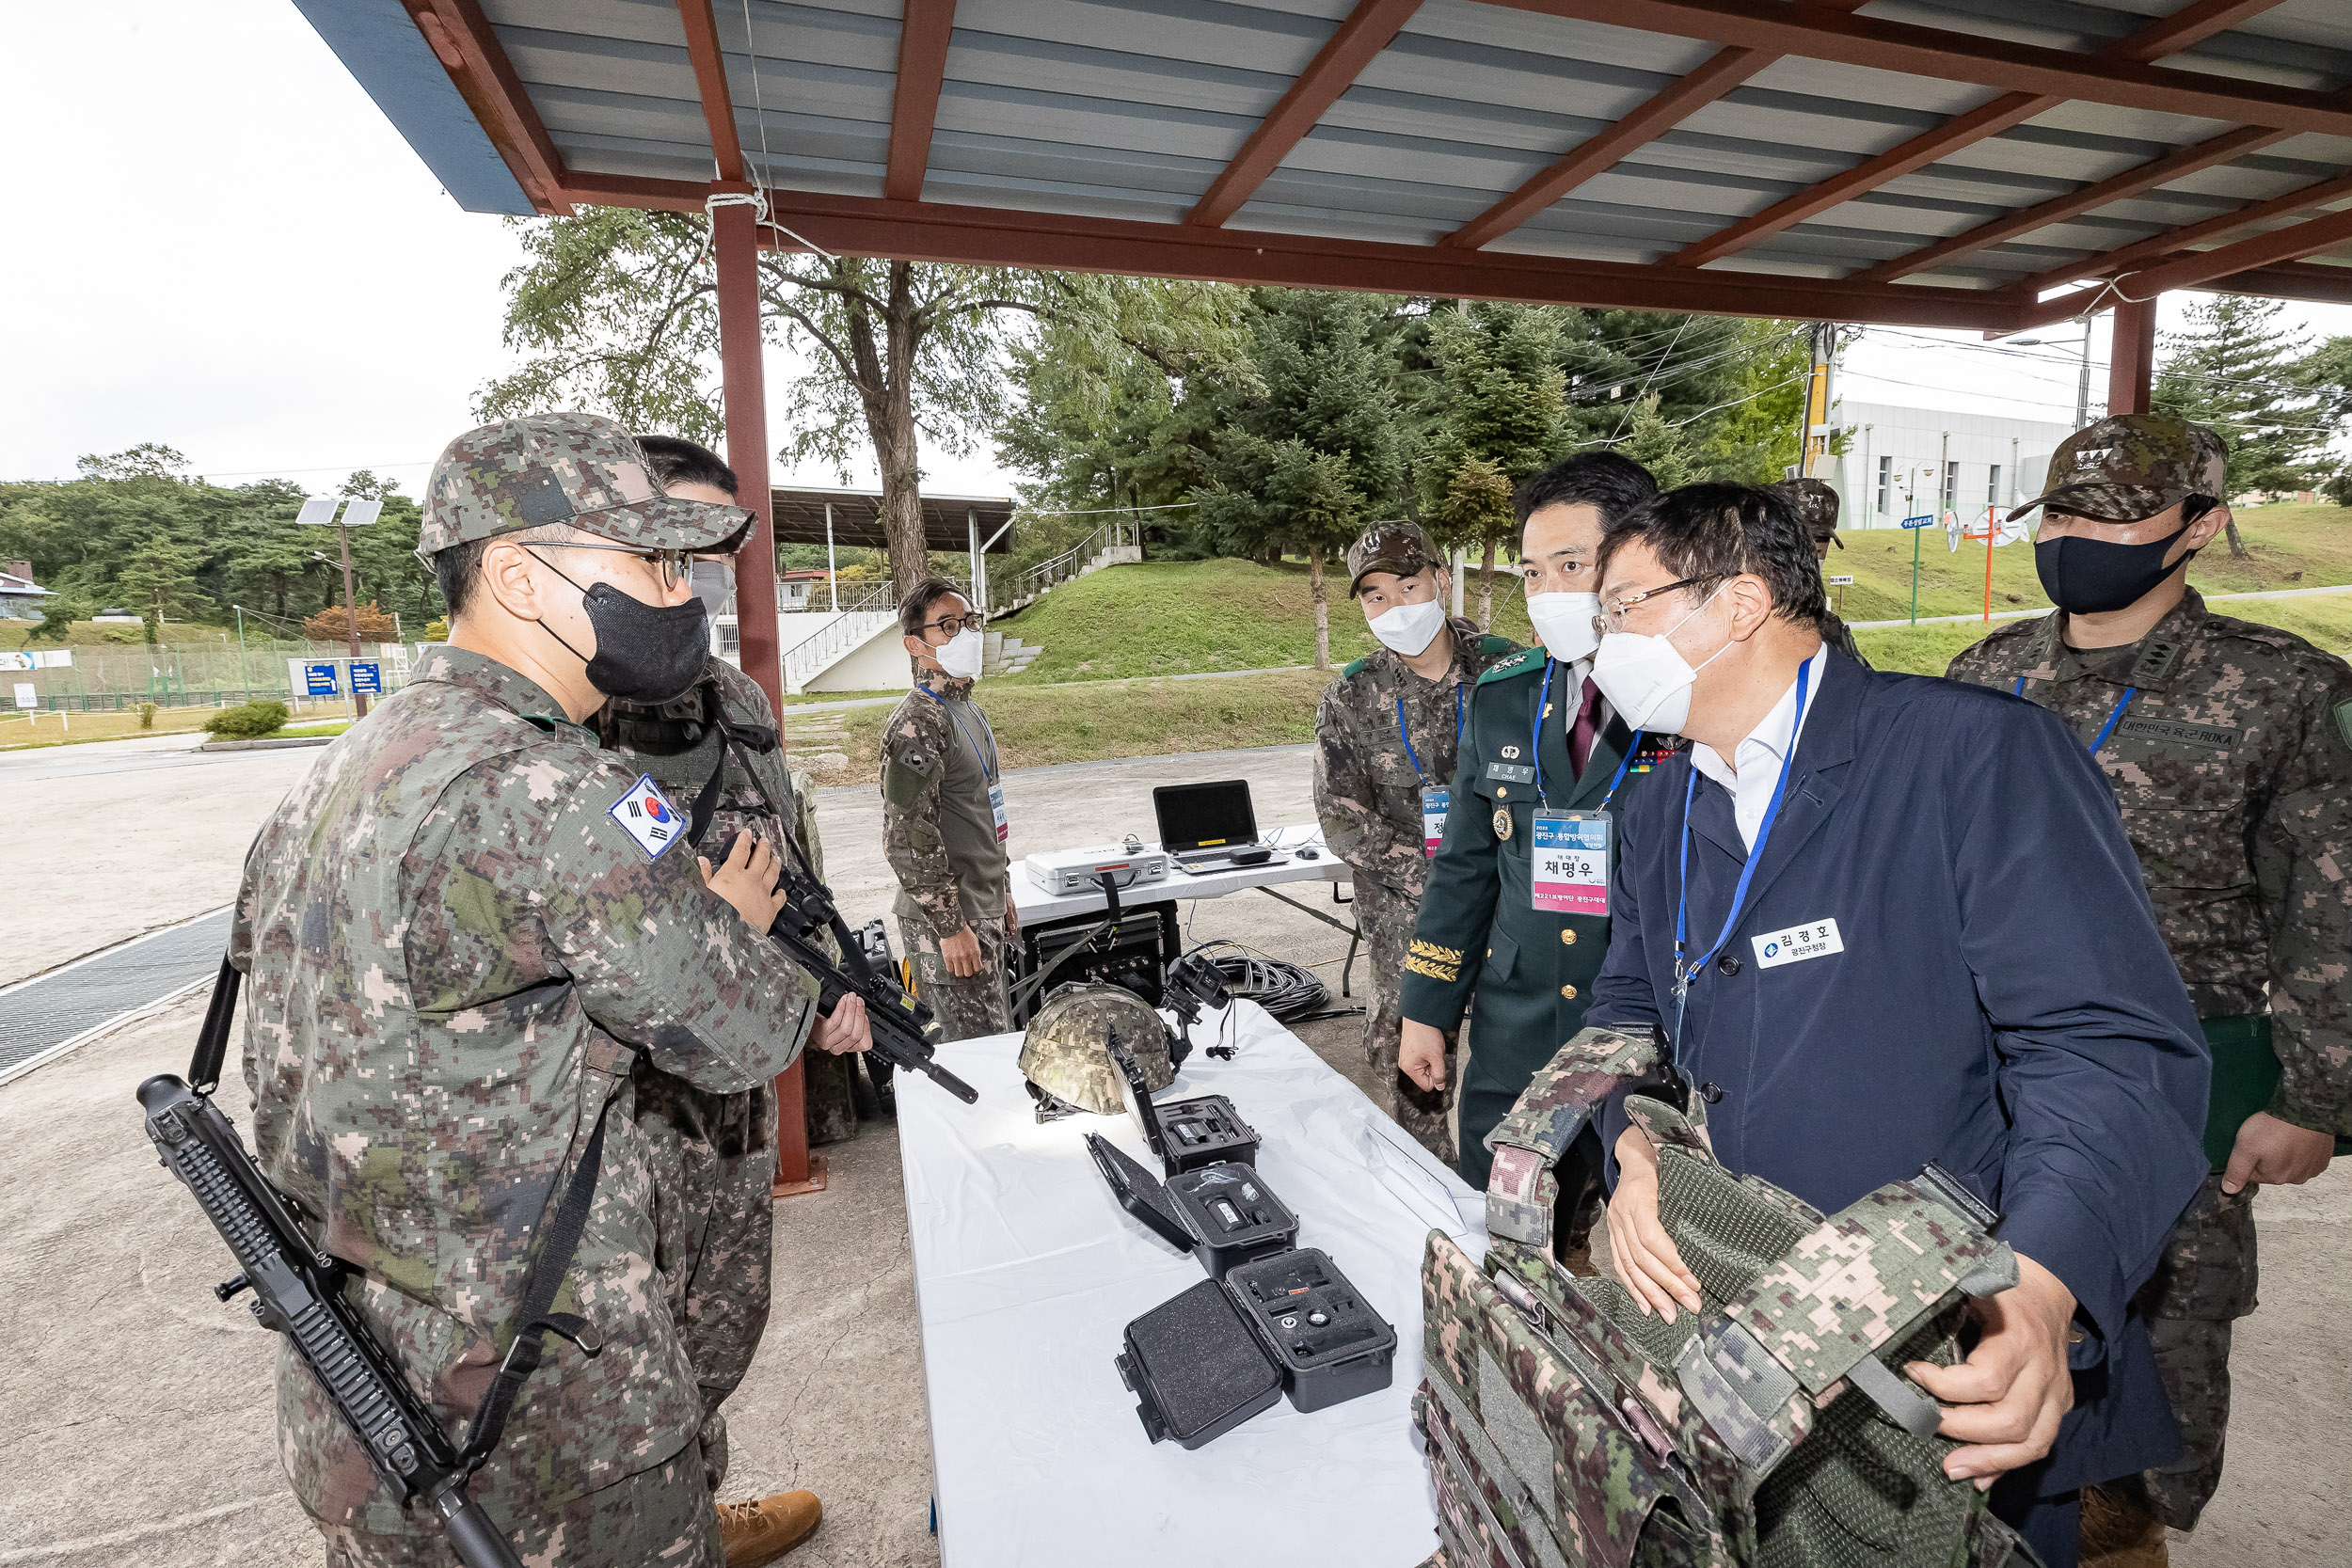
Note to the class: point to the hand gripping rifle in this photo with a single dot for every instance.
(902, 1026)
(298, 1291)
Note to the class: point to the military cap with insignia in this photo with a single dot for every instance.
(579, 469)
(1814, 503)
(2132, 465)
(1401, 548)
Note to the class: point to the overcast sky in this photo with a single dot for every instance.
(226, 248)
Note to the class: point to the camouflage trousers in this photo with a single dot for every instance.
(713, 1162)
(1387, 923)
(827, 1082)
(2203, 1283)
(662, 1516)
(967, 1008)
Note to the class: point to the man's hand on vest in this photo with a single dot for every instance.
(1647, 1263)
(1420, 1055)
(2005, 1402)
(2275, 1152)
(961, 953)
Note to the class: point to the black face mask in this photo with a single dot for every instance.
(645, 652)
(2089, 577)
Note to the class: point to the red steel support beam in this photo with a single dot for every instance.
(710, 80)
(486, 79)
(2131, 181)
(2132, 360)
(743, 386)
(2197, 21)
(923, 37)
(2173, 241)
(1816, 31)
(2199, 268)
(1369, 29)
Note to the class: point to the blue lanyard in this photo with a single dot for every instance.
(1411, 755)
(1755, 856)
(2113, 719)
(1623, 763)
(1536, 738)
(987, 772)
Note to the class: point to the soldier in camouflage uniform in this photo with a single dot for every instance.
(2230, 748)
(461, 931)
(1386, 734)
(944, 826)
(714, 1155)
(1814, 503)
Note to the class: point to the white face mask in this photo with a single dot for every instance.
(1564, 623)
(1646, 679)
(1409, 628)
(961, 655)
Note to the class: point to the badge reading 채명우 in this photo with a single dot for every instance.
(1569, 871)
(647, 816)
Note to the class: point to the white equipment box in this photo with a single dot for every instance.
(1067, 871)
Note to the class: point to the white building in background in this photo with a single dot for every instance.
(1913, 462)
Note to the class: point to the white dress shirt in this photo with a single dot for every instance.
(1760, 755)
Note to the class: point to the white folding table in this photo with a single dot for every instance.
(1026, 1271)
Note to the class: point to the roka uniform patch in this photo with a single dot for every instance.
(646, 816)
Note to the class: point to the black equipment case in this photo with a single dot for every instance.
(1187, 1135)
(1223, 1214)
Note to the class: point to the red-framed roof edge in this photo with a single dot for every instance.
(711, 82)
(924, 34)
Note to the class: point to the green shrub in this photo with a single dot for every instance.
(147, 716)
(249, 722)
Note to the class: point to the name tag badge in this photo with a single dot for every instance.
(996, 804)
(1570, 865)
(1434, 804)
(1814, 938)
(1509, 772)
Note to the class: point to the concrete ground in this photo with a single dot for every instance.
(135, 1421)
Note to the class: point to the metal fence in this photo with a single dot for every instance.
(114, 677)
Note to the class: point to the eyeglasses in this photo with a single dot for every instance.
(1611, 616)
(673, 565)
(951, 624)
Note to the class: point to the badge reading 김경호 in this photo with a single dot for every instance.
(1502, 822)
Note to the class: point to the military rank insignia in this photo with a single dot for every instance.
(1650, 753)
(1502, 822)
(646, 816)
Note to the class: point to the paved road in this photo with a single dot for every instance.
(79, 999)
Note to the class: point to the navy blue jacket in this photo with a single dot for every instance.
(2003, 1003)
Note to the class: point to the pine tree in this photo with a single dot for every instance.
(2235, 369)
(1659, 446)
(1497, 404)
(1314, 449)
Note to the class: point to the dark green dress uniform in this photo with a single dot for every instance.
(1479, 930)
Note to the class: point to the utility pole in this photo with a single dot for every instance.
(351, 619)
(2082, 383)
(355, 513)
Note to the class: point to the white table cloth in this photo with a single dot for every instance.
(1027, 1271)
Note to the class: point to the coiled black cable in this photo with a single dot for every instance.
(1284, 989)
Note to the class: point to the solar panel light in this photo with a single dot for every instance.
(319, 509)
(359, 514)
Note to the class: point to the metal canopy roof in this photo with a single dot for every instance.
(1936, 162)
(947, 520)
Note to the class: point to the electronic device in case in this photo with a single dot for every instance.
(1069, 871)
(1187, 1135)
(1223, 1214)
(1204, 1362)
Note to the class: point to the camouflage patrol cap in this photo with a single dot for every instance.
(581, 470)
(2132, 465)
(1393, 547)
(1067, 1054)
(1814, 503)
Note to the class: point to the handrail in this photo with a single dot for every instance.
(1059, 569)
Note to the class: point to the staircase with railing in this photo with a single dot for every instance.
(1115, 543)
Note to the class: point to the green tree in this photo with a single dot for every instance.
(1756, 441)
(148, 460)
(1496, 397)
(2236, 367)
(1310, 448)
(57, 620)
(1659, 446)
(160, 581)
(617, 311)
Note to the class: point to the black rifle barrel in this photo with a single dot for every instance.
(900, 1024)
(298, 1290)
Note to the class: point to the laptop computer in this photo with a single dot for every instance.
(1207, 826)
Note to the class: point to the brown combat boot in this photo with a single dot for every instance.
(2120, 1531)
(765, 1529)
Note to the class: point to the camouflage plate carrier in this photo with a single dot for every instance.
(1564, 1428)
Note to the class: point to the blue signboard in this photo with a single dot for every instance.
(1919, 522)
(367, 677)
(319, 680)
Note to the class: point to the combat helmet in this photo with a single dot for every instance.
(1066, 1055)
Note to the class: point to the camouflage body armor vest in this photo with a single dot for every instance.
(1772, 1428)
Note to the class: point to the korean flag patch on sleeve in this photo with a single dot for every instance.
(646, 816)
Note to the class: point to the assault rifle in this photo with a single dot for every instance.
(902, 1026)
(298, 1290)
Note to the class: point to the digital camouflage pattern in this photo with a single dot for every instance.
(1368, 801)
(1557, 1415)
(455, 950)
(581, 470)
(939, 834)
(1814, 503)
(714, 1155)
(1066, 1051)
(2205, 1281)
(1399, 547)
(2132, 465)
(2233, 767)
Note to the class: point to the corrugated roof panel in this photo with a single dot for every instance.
(1111, 125)
(1007, 171)
(1388, 111)
(1266, 36)
(632, 115)
(1051, 65)
(1559, 37)
(605, 64)
(642, 21)
(1782, 162)
(1860, 88)
(1478, 171)
(1698, 193)
(1469, 71)
(599, 153)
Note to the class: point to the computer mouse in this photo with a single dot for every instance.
(1309, 853)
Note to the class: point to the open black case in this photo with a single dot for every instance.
(1271, 1318)
(1184, 1133)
